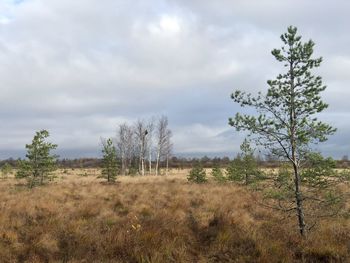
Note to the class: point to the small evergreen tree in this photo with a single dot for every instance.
(6, 170)
(197, 175)
(40, 163)
(217, 174)
(234, 170)
(244, 167)
(319, 172)
(109, 161)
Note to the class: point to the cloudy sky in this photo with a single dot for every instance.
(79, 68)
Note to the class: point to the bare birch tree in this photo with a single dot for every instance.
(125, 144)
(141, 133)
(168, 151)
(149, 143)
(163, 134)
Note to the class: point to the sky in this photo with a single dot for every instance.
(80, 68)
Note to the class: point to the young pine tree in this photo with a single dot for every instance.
(109, 161)
(40, 163)
(217, 174)
(286, 123)
(6, 170)
(244, 168)
(197, 175)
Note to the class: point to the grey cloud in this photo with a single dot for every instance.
(79, 68)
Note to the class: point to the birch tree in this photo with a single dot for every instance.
(286, 123)
(163, 135)
(125, 145)
(150, 151)
(141, 133)
(168, 151)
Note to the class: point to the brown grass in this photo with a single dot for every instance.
(154, 219)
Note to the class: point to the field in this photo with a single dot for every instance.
(79, 218)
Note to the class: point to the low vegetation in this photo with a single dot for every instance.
(155, 219)
(197, 174)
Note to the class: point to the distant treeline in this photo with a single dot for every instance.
(174, 162)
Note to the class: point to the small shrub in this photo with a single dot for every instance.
(197, 175)
(244, 168)
(218, 175)
(6, 170)
(319, 170)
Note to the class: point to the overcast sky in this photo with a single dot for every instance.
(81, 67)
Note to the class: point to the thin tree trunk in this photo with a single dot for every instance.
(297, 181)
(123, 164)
(143, 154)
(167, 165)
(157, 162)
(150, 162)
(142, 166)
(299, 202)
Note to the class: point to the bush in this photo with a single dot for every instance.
(197, 175)
(6, 170)
(218, 174)
(244, 168)
(319, 170)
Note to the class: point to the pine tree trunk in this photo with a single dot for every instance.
(299, 202)
(293, 142)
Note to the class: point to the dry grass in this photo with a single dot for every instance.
(154, 219)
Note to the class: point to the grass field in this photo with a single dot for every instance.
(161, 219)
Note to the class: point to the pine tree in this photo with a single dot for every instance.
(197, 175)
(244, 168)
(286, 122)
(217, 174)
(40, 163)
(6, 169)
(109, 161)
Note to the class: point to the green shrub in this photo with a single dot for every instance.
(197, 175)
(218, 175)
(244, 168)
(318, 171)
(6, 170)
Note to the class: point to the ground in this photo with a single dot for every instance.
(80, 218)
